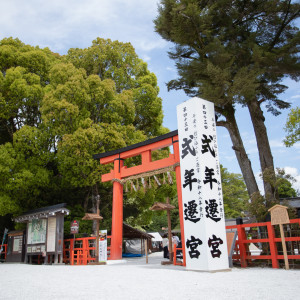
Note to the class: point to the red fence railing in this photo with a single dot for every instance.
(177, 262)
(81, 251)
(270, 242)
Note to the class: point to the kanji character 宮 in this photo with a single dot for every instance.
(214, 243)
(192, 244)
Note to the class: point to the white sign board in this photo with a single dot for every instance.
(51, 234)
(103, 246)
(203, 210)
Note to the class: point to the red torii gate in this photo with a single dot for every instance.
(120, 172)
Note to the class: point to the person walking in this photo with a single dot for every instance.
(165, 243)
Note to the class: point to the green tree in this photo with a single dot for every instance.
(118, 61)
(56, 114)
(235, 194)
(285, 189)
(24, 151)
(284, 184)
(292, 127)
(24, 74)
(235, 52)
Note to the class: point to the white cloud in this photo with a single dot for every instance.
(259, 182)
(146, 57)
(148, 45)
(276, 143)
(62, 24)
(174, 70)
(252, 150)
(230, 157)
(295, 97)
(295, 173)
(291, 170)
(251, 141)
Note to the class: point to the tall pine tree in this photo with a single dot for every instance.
(235, 52)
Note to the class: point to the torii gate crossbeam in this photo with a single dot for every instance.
(120, 172)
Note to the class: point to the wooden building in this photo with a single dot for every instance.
(44, 233)
(15, 246)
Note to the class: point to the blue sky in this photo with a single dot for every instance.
(64, 24)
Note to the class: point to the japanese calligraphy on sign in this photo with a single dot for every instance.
(203, 210)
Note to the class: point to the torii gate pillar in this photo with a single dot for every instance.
(117, 213)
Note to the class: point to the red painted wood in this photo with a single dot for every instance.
(151, 166)
(108, 176)
(273, 247)
(120, 172)
(81, 254)
(258, 257)
(179, 195)
(117, 214)
(256, 241)
(242, 247)
(137, 151)
(143, 168)
(146, 157)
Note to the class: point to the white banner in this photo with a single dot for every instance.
(103, 246)
(203, 210)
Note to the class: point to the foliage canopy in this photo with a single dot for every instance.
(292, 127)
(57, 111)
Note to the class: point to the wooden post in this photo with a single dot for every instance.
(243, 251)
(279, 216)
(286, 261)
(146, 251)
(97, 231)
(169, 232)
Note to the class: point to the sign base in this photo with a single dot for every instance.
(97, 263)
(212, 271)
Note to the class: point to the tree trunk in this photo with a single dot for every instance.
(94, 210)
(95, 197)
(245, 164)
(264, 150)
